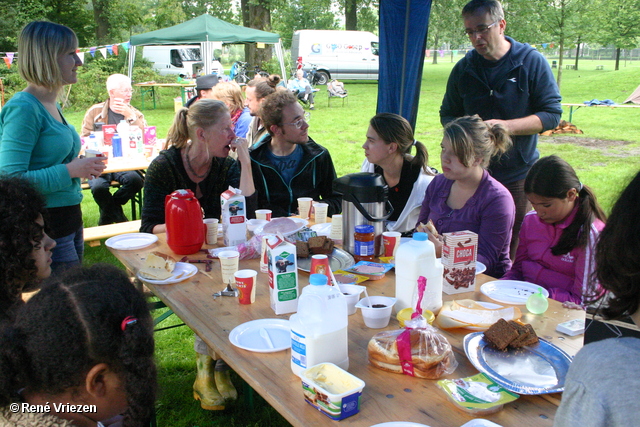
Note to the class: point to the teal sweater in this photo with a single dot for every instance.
(34, 144)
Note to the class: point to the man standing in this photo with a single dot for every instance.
(507, 82)
(112, 111)
(204, 88)
(287, 164)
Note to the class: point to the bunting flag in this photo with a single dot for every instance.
(110, 49)
(81, 56)
(544, 45)
(455, 52)
(125, 45)
(7, 61)
(103, 51)
(115, 49)
(10, 55)
(92, 51)
(551, 45)
(441, 52)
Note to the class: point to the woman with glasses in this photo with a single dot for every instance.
(37, 142)
(387, 151)
(196, 157)
(287, 163)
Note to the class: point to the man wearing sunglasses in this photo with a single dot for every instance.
(506, 82)
(286, 163)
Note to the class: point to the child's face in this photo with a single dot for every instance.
(552, 210)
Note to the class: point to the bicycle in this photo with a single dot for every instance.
(239, 72)
(316, 77)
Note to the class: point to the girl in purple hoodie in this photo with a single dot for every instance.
(558, 237)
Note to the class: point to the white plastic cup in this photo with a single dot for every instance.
(336, 227)
(352, 295)
(304, 207)
(212, 230)
(320, 210)
(376, 317)
(228, 265)
(263, 214)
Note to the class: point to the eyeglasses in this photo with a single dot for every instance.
(298, 123)
(479, 31)
(128, 90)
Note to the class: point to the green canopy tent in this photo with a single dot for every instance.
(205, 30)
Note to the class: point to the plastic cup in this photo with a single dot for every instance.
(264, 261)
(263, 214)
(93, 153)
(320, 210)
(228, 265)
(390, 242)
(212, 230)
(352, 294)
(320, 265)
(246, 284)
(336, 227)
(304, 207)
(377, 316)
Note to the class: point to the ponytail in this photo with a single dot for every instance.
(421, 158)
(500, 137)
(178, 132)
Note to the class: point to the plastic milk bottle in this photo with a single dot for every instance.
(413, 259)
(319, 328)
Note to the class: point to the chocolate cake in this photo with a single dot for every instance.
(500, 334)
(302, 249)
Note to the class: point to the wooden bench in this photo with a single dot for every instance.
(599, 67)
(93, 235)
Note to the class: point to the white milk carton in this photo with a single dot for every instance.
(283, 275)
(234, 217)
(459, 252)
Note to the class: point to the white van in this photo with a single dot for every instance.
(339, 55)
(174, 60)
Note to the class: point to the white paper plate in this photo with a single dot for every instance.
(511, 291)
(182, 271)
(247, 335)
(322, 229)
(480, 267)
(299, 221)
(131, 241)
(400, 424)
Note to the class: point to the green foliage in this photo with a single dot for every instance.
(302, 15)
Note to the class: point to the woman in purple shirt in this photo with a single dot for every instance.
(466, 197)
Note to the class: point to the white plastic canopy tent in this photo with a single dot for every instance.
(205, 30)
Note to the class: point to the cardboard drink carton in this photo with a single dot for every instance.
(459, 253)
(234, 217)
(283, 275)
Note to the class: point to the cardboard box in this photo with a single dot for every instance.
(283, 275)
(337, 404)
(108, 131)
(150, 137)
(459, 253)
(234, 217)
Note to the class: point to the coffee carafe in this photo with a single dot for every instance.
(364, 201)
(183, 218)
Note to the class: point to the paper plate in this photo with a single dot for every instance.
(302, 223)
(247, 335)
(182, 271)
(511, 291)
(131, 241)
(322, 229)
(537, 369)
(400, 424)
(480, 267)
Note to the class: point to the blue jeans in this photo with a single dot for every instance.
(68, 252)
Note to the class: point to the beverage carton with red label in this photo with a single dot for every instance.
(108, 131)
(459, 252)
(283, 275)
(234, 217)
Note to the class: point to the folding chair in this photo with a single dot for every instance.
(335, 89)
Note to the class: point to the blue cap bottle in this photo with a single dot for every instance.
(116, 142)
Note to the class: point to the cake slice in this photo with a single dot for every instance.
(320, 245)
(501, 334)
(158, 266)
(302, 249)
(527, 336)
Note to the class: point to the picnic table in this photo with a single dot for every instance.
(386, 396)
(150, 89)
(578, 106)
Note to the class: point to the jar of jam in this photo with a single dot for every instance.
(364, 243)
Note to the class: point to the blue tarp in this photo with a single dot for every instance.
(403, 41)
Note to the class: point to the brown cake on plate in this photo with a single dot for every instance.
(500, 334)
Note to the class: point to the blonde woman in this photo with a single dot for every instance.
(38, 143)
(231, 94)
(466, 197)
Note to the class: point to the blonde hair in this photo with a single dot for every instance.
(202, 114)
(229, 93)
(472, 138)
(40, 43)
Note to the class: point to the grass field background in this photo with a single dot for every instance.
(605, 165)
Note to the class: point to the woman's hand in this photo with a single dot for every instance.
(241, 147)
(437, 242)
(86, 168)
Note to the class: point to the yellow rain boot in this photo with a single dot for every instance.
(204, 388)
(223, 380)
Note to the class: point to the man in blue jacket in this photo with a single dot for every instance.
(286, 163)
(507, 82)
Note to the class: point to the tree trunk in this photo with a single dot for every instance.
(102, 21)
(350, 15)
(617, 58)
(559, 78)
(434, 52)
(577, 53)
(260, 19)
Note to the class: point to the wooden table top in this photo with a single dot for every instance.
(122, 164)
(386, 396)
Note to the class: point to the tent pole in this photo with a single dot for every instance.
(280, 55)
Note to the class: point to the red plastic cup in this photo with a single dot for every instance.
(390, 241)
(320, 265)
(246, 284)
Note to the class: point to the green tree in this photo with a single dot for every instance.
(216, 8)
(445, 26)
(617, 23)
(302, 15)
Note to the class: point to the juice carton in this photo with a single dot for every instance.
(459, 252)
(283, 275)
(234, 217)
(150, 137)
(108, 131)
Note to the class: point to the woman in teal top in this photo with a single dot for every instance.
(38, 143)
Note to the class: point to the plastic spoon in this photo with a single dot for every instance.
(368, 300)
(265, 335)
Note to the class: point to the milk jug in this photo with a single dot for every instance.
(319, 328)
(414, 259)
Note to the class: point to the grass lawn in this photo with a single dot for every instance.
(605, 166)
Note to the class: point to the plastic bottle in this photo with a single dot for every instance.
(414, 259)
(537, 303)
(116, 144)
(97, 129)
(319, 328)
(123, 130)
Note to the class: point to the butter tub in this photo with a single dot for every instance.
(332, 390)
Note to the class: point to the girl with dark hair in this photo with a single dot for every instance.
(37, 142)
(466, 197)
(387, 152)
(85, 339)
(557, 239)
(25, 247)
(603, 375)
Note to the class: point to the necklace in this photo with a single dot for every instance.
(191, 167)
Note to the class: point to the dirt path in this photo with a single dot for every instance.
(603, 144)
